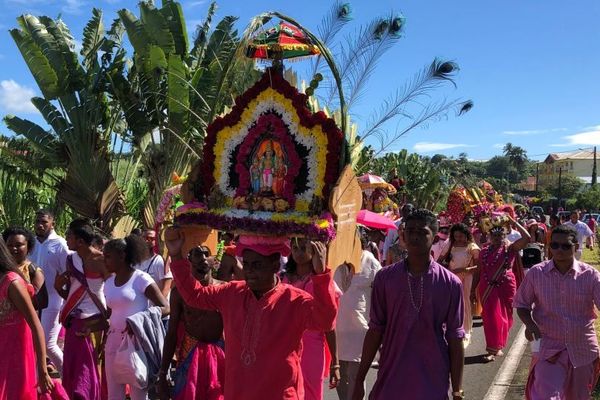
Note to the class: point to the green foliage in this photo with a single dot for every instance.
(570, 186)
(74, 156)
(426, 184)
(589, 199)
(170, 93)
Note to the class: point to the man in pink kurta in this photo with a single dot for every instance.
(556, 304)
(263, 319)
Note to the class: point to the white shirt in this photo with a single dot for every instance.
(155, 267)
(355, 305)
(583, 232)
(126, 300)
(51, 255)
(86, 307)
(513, 236)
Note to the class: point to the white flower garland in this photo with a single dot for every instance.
(307, 141)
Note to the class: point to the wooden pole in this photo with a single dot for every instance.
(594, 173)
(537, 175)
(559, 186)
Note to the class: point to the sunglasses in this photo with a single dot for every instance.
(563, 246)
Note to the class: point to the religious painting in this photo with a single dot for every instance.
(268, 169)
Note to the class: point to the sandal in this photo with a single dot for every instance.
(489, 357)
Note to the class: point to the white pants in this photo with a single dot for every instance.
(52, 328)
(116, 391)
(348, 372)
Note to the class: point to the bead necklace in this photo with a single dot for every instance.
(412, 300)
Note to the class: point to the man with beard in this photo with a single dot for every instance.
(200, 357)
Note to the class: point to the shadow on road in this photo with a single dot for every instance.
(478, 359)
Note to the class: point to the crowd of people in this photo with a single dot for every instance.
(85, 317)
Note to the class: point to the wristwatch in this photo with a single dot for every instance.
(459, 393)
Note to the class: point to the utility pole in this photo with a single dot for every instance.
(559, 186)
(594, 174)
(537, 175)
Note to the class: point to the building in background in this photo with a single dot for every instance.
(577, 163)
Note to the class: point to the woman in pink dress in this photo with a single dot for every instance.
(461, 257)
(496, 283)
(317, 347)
(17, 322)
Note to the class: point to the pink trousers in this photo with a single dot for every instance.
(559, 380)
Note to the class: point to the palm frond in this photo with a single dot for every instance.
(39, 66)
(173, 14)
(201, 37)
(157, 27)
(93, 36)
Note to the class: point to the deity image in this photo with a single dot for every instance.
(255, 175)
(268, 169)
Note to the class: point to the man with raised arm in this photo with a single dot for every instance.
(263, 318)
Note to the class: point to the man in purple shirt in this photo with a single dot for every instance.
(556, 304)
(417, 319)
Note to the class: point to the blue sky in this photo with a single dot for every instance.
(530, 67)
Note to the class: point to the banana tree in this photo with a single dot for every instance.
(74, 154)
(173, 90)
(425, 184)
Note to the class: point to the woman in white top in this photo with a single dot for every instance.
(353, 316)
(461, 257)
(128, 291)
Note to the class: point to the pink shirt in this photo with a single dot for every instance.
(262, 336)
(563, 309)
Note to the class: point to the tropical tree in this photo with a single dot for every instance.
(173, 91)
(426, 184)
(74, 155)
(589, 199)
(517, 157)
(568, 187)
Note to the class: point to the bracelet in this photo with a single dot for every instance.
(336, 366)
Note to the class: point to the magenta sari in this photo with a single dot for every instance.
(497, 288)
(17, 364)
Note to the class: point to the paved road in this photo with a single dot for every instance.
(478, 376)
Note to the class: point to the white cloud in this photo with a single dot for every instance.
(73, 6)
(533, 132)
(426, 147)
(498, 145)
(194, 3)
(588, 138)
(15, 98)
(591, 128)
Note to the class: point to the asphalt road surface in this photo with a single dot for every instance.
(479, 376)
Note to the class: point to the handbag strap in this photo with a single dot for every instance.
(151, 263)
(80, 276)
